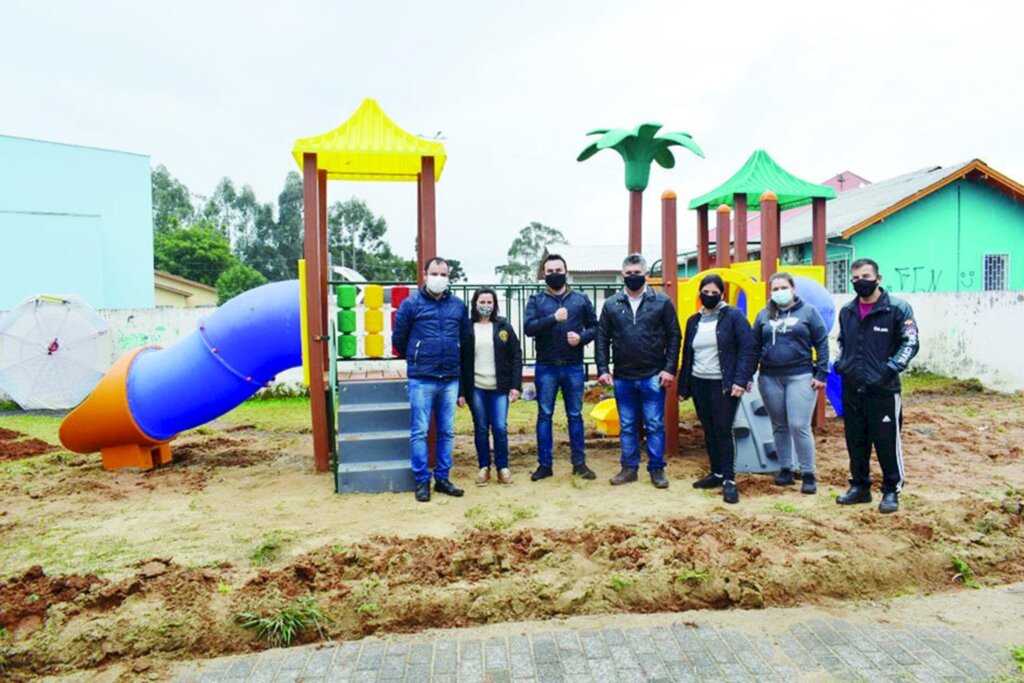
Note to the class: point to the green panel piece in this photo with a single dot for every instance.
(346, 321)
(759, 174)
(346, 345)
(638, 148)
(346, 296)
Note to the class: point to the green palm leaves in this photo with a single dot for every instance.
(638, 149)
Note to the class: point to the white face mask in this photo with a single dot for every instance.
(436, 284)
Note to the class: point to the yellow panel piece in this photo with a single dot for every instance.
(816, 273)
(373, 296)
(370, 146)
(374, 345)
(606, 415)
(374, 321)
(736, 282)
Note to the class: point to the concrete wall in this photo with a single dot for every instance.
(968, 334)
(75, 220)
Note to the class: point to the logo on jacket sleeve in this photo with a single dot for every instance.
(503, 335)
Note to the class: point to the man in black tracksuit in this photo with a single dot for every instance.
(877, 339)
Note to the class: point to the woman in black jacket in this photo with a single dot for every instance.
(492, 376)
(718, 366)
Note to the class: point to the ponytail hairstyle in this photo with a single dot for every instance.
(773, 308)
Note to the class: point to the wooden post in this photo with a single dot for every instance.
(703, 257)
(421, 277)
(321, 185)
(428, 217)
(316, 307)
(818, 251)
(769, 237)
(670, 286)
(722, 242)
(739, 209)
(636, 209)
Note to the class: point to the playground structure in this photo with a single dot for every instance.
(360, 430)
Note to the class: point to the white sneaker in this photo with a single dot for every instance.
(505, 476)
(483, 477)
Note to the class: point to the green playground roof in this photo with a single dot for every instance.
(761, 173)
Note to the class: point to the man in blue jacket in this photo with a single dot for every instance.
(430, 328)
(563, 321)
(877, 339)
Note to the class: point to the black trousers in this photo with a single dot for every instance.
(716, 411)
(874, 419)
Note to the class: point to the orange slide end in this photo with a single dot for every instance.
(103, 422)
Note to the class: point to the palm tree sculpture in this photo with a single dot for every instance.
(638, 149)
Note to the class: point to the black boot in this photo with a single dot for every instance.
(423, 492)
(625, 476)
(658, 479)
(542, 472)
(730, 494)
(856, 494)
(583, 471)
(890, 502)
(712, 481)
(446, 487)
(785, 477)
(810, 484)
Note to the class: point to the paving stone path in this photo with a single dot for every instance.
(817, 649)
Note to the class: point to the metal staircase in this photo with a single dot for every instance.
(373, 437)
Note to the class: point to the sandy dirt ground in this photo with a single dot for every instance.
(106, 569)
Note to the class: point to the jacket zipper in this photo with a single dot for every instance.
(416, 354)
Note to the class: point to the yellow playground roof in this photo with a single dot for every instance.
(370, 146)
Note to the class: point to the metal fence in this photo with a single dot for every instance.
(512, 300)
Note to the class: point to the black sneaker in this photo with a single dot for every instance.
(712, 481)
(583, 471)
(730, 494)
(856, 494)
(625, 476)
(423, 492)
(542, 472)
(658, 479)
(809, 485)
(785, 477)
(890, 503)
(446, 487)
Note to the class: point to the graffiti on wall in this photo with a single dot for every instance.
(967, 279)
(918, 278)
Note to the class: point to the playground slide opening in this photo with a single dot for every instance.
(152, 394)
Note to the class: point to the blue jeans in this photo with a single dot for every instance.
(633, 398)
(428, 396)
(490, 414)
(548, 380)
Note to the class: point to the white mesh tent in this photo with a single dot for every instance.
(53, 352)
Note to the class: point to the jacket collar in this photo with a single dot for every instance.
(430, 297)
(880, 304)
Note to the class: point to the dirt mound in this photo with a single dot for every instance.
(27, 448)
(25, 599)
(220, 451)
(9, 434)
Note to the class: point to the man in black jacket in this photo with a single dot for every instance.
(563, 321)
(641, 328)
(877, 339)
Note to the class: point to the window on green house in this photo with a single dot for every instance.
(996, 269)
(837, 272)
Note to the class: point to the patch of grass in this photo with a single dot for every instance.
(482, 518)
(273, 414)
(989, 523)
(964, 572)
(1017, 655)
(619, 583)
(368, 608)
(692, 576)
(366, 596)
(279, 628)
(915, 379)
(906, 591)
(225, 588)
(785, 507)
(578, 482)
(269, 548)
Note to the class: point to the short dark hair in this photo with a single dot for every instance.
(435, 259)
(713, 279)
(861, 262)
(476, 295)
(554, 257)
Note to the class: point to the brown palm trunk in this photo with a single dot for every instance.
(636, 204)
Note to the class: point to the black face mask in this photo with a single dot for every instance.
(634, 282)
(710, 301)
(555, 280)
(865, 288)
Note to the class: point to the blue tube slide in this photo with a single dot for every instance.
(236, 350)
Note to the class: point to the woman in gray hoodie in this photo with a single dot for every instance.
(792, 343)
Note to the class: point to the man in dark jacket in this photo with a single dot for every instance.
(563, 321)
(430, 329)
(641, 328)
(877, 339)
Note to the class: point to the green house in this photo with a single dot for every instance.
(953, 229)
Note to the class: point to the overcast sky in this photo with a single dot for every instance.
(213, 89)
